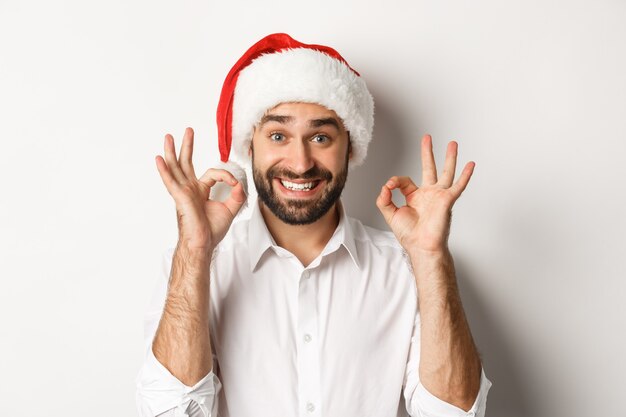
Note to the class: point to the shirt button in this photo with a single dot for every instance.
(471, 414)
(310, 407)
(305, 274)
(307, 338)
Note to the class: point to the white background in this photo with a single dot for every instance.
(533, 91)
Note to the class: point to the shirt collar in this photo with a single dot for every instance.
(260, 239)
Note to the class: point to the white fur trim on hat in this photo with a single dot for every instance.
(301, 75)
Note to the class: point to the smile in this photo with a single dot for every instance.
(299, 189)
(294, 186)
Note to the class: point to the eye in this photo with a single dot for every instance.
(277, 137)
(320, 139)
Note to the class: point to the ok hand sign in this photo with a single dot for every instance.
(423, 223)
(202, 223)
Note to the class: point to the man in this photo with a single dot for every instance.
(301, 310)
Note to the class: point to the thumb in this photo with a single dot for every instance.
(236, 199)
(385, 204)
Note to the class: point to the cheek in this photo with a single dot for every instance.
(337, 162)
(262, 165)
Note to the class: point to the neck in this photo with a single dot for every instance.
(306, 241)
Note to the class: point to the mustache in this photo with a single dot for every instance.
(313, 173)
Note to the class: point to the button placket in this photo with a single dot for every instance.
(308, 348)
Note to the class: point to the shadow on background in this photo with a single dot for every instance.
(384, 153)
(507, 397)
(388, 153)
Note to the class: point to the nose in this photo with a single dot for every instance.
(299, 158)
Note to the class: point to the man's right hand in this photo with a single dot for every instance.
(202, 223)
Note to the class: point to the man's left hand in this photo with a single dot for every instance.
(423, 223)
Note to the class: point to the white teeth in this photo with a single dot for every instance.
(299, 187)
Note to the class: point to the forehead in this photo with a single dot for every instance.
(302, 110)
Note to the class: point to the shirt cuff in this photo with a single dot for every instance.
(159, 391)
(431, 406)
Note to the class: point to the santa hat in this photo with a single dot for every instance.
(279, 69)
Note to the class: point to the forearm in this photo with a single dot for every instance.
(182, 342)
(449, 364)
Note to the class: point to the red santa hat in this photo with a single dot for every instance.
(279, 69)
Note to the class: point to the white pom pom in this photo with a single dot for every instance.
(221, 190)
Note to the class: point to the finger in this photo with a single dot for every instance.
(186, 154)
(170, 183)
(404, 184)
(461, 183)
(447, 176)
(429, 169)
(172, 162)
(385, 204)
(236, 199)
(212, 175)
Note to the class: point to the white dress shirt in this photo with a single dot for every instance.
(338, 338)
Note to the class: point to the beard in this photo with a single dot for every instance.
(297, 211)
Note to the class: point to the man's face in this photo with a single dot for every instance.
(300, 154)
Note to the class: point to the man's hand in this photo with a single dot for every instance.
(423, 224)
(449, 364)
(202, 223)
(182, 342)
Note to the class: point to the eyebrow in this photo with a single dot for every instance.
(275, 118)
(289, 119)
(324, 122)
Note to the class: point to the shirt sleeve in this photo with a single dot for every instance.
(421, 403)
(194, 410)
(159, 393)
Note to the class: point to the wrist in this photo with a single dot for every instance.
(194, 249)
(190, 263)
(430, 254)
(196, 242)
(434, 271)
